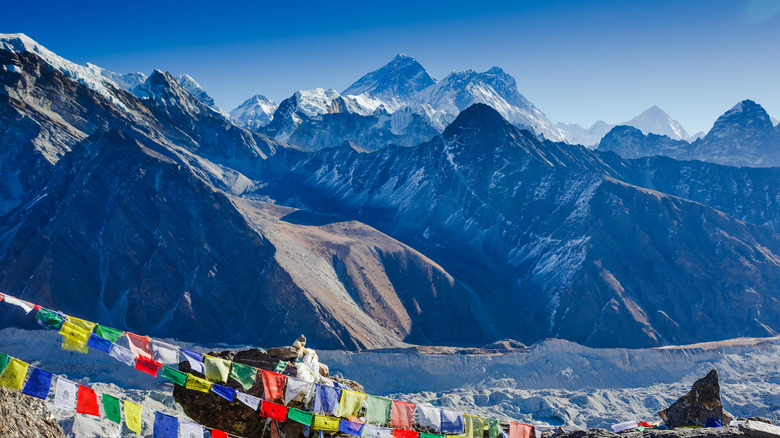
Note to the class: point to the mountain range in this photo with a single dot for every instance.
(153, 212)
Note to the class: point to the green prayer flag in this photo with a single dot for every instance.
(111, 408)
(49, 318)
(108, 332)
(175, 376)
(494, 430)
(377, 409)
(300, 416)
(243, 374)
(280, 366)
(3, 361)
(430, 435)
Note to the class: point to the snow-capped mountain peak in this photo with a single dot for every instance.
(255, 112)
(399, 78)
(656, 121)
(194, 88)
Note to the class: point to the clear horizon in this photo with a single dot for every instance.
(576, 62)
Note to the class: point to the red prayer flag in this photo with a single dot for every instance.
(273, 411)
(149, 366)
(86, 401)
(402, 415)
(216, 433)
(273, 385)
(140, 345)
(402, 433)
(37, 307)
(517, 430)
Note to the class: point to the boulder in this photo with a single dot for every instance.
(760, 429)
(700, 404)
(22, 416)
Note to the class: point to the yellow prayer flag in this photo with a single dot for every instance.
(13, 374)
(217, 370)
(133, 416)
(70, 344)
(198, 384)
(350, 403)
(474, 426)
(327, 424)
(86, 325)
(75, 332)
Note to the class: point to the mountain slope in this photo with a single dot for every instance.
(255, 112)
(391, 86)
(654, 120)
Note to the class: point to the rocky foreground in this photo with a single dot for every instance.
(22, 416)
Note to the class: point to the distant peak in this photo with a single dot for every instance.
(401, 77)
(403, 57)
(477, 116)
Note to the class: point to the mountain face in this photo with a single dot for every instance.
(743, 136)
(392, 86)
(255, 113)
(654, 120)
(160, 216)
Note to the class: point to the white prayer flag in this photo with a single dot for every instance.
(65, 394)
(195, 362)
(27, 307)
(430, 417)
(249, 400)
(122, 354)
(295, 387)
(371, 431)
(165, 353)
(191, 430)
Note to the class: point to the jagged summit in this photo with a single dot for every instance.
(194, 88)
(400, 78)
(656, 121)
(255, 112)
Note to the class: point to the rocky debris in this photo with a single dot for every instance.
(706, 432)
(700, 404)
(22, 416)
(214, 411)
(760, 429)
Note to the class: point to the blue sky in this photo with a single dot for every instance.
(578, 61)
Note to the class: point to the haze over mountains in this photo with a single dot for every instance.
(374, 218)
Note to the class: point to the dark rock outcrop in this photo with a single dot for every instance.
(700, 404)
(22, 416)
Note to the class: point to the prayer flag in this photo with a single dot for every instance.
(249, 400)
(24, 305)
(519, 430)
(49, 319)
(216, 433)
(280, 366)
(38, 384)
(300, 416)
(244, 374)
(195, 359)
(350, 404)
(3, 361)
(74, 336)
(430, 435)
(429, 417)
(99, 343)
(165, 426)
(475, 426)
(401, 433)
(327, 424)
(295, 387)
(86, 401)
(273, 384)
(165, 353)
(273, 411)
(133, 416)
(175, 376)
(13, 375)
(191, 430)
(494, 430)
(65, 394)
(198, 384)
(371, 431)
(402, 415)
(149, 366)
(122, 354)
(378, 410)
(111, 408)
(326, 400)
(351, 427)
(451, 422)
(217, 370)
(139, 345)
(109, 333)
(223, 391)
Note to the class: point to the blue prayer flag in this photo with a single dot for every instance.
(165, 426)
(351, 427)
(223, 391)
(99, 343)
(195, 359)
(326, 400)
(38, 384)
